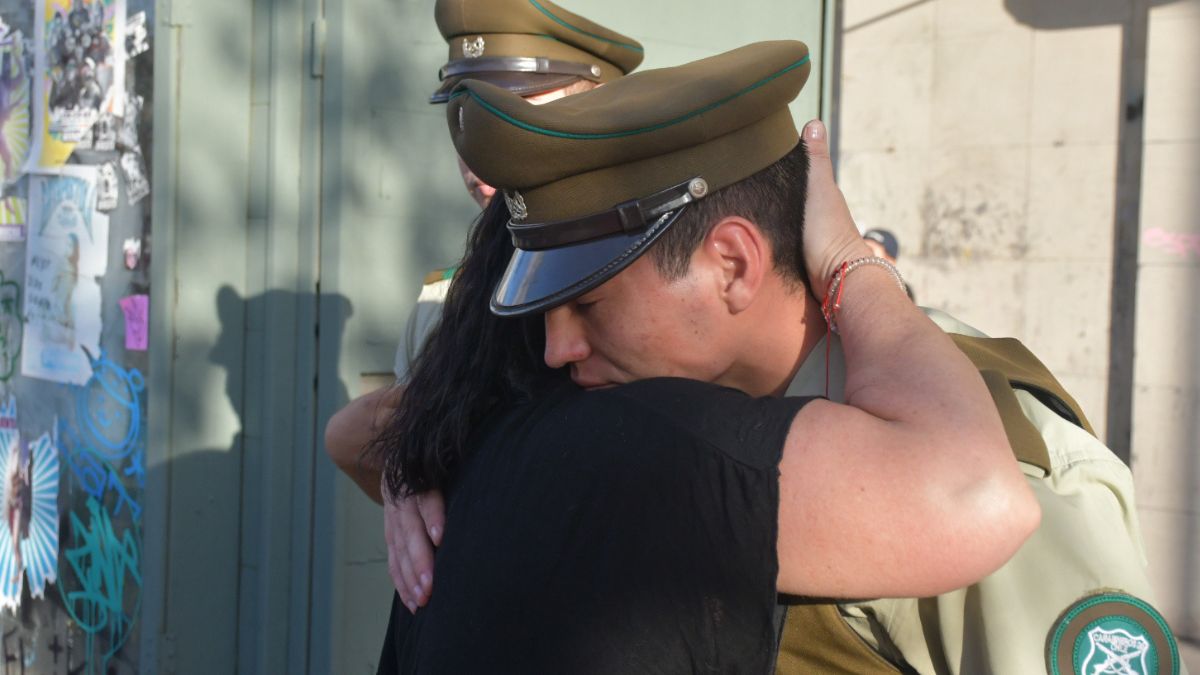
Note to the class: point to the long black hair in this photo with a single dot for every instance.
(471, 365)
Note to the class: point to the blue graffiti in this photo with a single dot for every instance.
(96, 476)
(103, 576)
(109, 410)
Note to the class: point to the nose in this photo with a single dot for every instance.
(565, 340)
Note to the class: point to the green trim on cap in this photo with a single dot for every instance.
(543, 10)
(632, 132)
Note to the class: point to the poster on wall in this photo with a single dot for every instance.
(67, 250)
(79, 66)
(14, 103)
(29, 506)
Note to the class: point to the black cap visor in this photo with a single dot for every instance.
(538, 281)
(521, 84)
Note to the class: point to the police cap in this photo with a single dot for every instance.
(592, 180)
(527, 46)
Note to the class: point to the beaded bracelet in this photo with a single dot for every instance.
(833, 297)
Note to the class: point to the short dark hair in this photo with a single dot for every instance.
(773, 199)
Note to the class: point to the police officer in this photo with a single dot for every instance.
(532, 48)
(1075, 598)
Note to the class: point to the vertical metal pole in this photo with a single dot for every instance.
(1126, 230)
(831, 87)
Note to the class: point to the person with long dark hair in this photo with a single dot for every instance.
(537, 50)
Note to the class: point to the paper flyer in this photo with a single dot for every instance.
(136, 309)
(66, 250)
(79, 62)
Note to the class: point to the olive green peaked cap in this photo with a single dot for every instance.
(592, 180)
(527, 46)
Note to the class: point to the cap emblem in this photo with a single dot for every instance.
(516, 205)
(473, 49)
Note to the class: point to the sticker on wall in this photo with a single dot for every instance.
(137, 38)
(132, 248)
(29, 528)
(137, 320)
(67, 250)
(127, 131)
(12, 219)
(107, 192)
(14, 104)
(79, 63)
(11, 327)
(137, 186)
(102, 137)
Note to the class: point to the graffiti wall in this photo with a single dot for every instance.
(74, 288)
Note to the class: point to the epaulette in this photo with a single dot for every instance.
(1005, 365)
(440, 275)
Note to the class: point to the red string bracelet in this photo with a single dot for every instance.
(833, 299)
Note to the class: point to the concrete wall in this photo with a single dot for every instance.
(1167, 372)
(987, 134)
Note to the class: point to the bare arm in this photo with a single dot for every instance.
(911, 488)
(351, 430)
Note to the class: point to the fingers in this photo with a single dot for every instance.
(410, 551)
(433, 512)
(830, 236)
(816, 141)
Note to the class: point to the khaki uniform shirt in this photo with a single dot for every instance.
(420, 323)
(1089, 540)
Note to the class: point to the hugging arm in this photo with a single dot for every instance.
(350, 431)
(910, 488)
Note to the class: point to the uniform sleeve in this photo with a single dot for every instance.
(1088, 541)
(420, 324)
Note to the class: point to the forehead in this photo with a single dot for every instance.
(641, 278)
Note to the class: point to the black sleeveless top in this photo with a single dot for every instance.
(625, 530)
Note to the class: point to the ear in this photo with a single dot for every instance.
(740, 253)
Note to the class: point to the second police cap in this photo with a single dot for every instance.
(527, 46)
(592, 180)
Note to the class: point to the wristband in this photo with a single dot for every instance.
(837, 284)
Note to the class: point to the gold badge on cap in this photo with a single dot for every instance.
(473, 49)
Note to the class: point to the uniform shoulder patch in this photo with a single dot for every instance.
(1111, 632)
(440, 275)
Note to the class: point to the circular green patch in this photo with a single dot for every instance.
(1111, 633)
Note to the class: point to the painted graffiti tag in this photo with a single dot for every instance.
(109, 408)
(103, 576)
(95, 476)
(1182, 244)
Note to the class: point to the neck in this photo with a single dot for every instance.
(775, 337)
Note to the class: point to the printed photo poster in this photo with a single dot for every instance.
(66, 250)
(14, 104)
(29, 495)
(79, 68)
